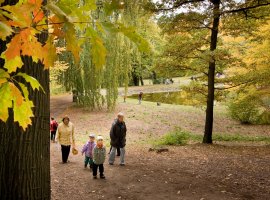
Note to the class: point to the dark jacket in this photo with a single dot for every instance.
(118, 134)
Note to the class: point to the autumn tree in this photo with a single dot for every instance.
(212, 18)
(28, 38)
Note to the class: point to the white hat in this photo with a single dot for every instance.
(99, 137)
(92, 135)
(120, 114)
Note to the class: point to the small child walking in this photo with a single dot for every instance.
(99, 155)
(88, 151)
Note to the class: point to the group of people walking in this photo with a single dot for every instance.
(94, 149)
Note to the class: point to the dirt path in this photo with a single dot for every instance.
(196, 171)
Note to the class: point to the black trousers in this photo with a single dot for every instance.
(118, 151)
(65, 152)
(95, 168)
(53, 135)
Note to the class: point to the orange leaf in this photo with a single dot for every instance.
(57, 28)
(16, 94)
(24, 43)
(50, 53)
(38, 16)
(13, 48)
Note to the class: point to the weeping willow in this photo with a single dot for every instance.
(98, 86)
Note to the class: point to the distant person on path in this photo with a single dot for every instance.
(66, 138)
(99, 155)
(53, 128)
(140, 97)
(118, 139)
(88, 151)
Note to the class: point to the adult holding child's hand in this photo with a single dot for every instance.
(118, 139)
(66, 138)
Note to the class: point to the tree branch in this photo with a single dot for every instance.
(246, 8)
(178, 5)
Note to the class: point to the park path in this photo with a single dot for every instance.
(193, 172)
(59, 104)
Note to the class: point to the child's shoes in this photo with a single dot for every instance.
(102, 176)
(94, 177)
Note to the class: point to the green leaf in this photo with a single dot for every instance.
(5, 30)
(23, 113)
(11, 97)
(4, 74)
(98, 50)
(25, 91)
(129, 32)
(110, 7)
(5, 101)
(12, 64)
(57, 11)
(33, 82)
(72, 42)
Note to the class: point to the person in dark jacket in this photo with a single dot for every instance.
(118, 139)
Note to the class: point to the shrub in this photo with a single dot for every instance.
(244, 110)
(176, 137)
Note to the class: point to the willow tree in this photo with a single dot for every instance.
(191, 15)
(94, 77)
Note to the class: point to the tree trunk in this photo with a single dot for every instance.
(25, 156)
(141, 80)
(135, 79)
(211, 75)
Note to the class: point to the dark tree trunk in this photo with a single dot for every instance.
(135, 79)
(141, 80)
(211, 75)
(25, 156)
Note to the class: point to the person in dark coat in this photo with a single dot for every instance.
(118, 139)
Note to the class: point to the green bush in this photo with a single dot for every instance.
(177, 137)
(244, 109)
(180, 137)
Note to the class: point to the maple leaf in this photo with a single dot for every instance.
(72, 41)
(17, 96)
(54, 24)
(5, 31)
(5, 101)
(38, 16)
(4, 74)
(50, 53)
(23, 43)
(23, 113)
(31, 80)
(13, 48)
(13, 64)
(22, 106)
(2, 80)
(21, 14)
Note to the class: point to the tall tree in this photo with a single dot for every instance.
(190, 15)
(25, 155)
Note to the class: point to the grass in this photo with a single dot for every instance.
(180, 137)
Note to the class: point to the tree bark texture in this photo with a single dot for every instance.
(25, 156)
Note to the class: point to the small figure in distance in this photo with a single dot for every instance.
(140, 97)
(53, 128)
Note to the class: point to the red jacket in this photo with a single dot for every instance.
(53, 125)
